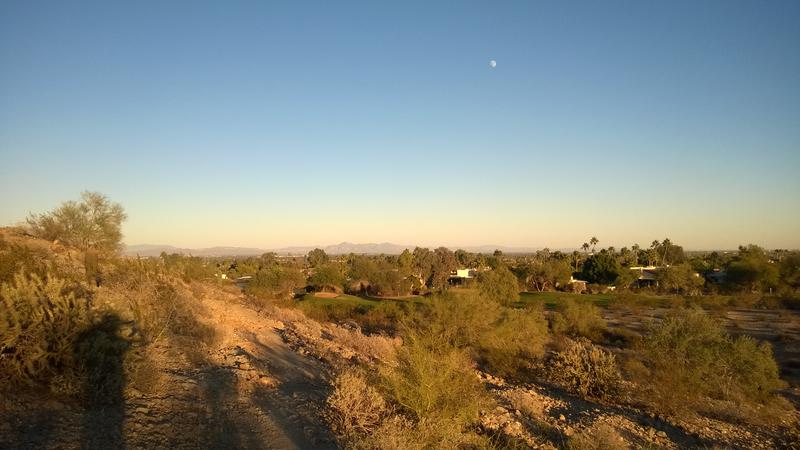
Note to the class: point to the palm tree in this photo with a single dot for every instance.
(585, 247)
(594, 242)
(666, 244)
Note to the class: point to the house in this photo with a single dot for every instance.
(716, 276)
(646, 276)
(460, 277)
(578, 286)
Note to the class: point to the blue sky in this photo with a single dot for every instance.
(269, 124)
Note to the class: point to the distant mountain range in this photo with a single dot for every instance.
(343, 248)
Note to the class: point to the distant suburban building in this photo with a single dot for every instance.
(646, 276)
(577, 285)
(462, 276)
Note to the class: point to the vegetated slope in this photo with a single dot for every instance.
(259, 377)
(242, 388)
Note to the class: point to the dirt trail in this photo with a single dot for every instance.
(251, 390)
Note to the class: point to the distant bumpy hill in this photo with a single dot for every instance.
(343, 248)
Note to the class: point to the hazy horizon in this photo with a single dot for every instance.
(273, 125)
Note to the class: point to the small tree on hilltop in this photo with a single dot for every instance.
(93, 223)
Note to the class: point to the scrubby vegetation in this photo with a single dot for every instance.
(81, 321)
(691, 358)
(586, 369)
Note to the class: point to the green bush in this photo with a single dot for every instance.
(578, 319)
(518, 337)
(585, 369)
(457, 319)
(434, 384)
(499, 285)
(691, 357)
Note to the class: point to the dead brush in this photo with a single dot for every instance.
(354, 406)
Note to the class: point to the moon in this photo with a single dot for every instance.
(492, 64)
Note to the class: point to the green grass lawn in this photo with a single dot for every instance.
(342, 299)
(551, 299)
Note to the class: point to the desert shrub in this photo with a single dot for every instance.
(384, 317)
(499, 285)
(578, 319)
(516, 338)
(690, 357)
(15, 258)
(157, 308)
(586, 369)
(400, 433)
(622, 337)
(434, 384)
(600, 436)
(51, 336)
(354, 405)
(458, 320)
(40, 325)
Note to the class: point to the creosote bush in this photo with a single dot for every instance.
(690, 357)
(517, 338)
(585, 369)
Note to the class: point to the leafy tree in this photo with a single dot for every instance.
(405, 261)
(444, 263)
(542, 276)
(790, 270)
(499, 285)
(362, 268)
(752, 270)
(423, 261)
(93, 223)
(679, 279)
(328, 276)
(601, 268)
(317, 257)
(276, 281)
(268, 259)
